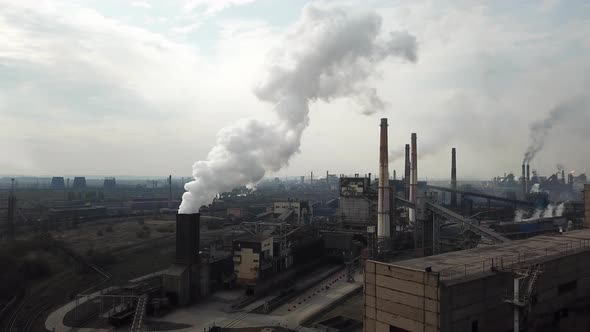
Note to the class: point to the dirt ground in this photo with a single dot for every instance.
(98, 237)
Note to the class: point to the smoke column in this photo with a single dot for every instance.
(329, 53)
(559, 210)
(539, 130)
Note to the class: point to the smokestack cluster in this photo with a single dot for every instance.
(407, 172)
(329, 53)
(453, 177)
(383, 226)
(413, 176)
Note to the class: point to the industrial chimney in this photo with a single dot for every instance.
(383, 199)
(523, 181)
(453, 177)
(407, 172)
(413, 176)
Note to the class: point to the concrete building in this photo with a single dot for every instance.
(301, 210)
(538, 284)
(253, 259)
(358, 203)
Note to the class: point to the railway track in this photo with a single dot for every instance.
(235, 321)
(29, 308)
(34, 304)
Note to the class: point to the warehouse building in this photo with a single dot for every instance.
(538, 284)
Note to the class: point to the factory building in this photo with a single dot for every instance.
(538, 284)
(152, 204)
(109, 183)
(253, 259)
(67, 210)
(358, 203)
(57, 183)
(79, 183)
(297, 212)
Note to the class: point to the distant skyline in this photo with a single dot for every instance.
(143, 87)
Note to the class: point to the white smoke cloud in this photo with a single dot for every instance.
(549, 210)
(330, 53)
(559, 210)
(518, 215)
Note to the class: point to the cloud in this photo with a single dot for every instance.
(211, 7)
(141, 4)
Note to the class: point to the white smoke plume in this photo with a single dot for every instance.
(329, 53)
(559, 210)
(539, 130)
(518, 215)
(549, 210)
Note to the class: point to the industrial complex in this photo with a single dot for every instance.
(330, 253)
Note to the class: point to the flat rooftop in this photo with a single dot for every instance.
(467, 263)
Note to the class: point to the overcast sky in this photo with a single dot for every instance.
(108, 87)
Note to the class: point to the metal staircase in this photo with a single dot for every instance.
(137, 325)
(527, 281)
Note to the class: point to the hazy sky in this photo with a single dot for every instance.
(142, 87)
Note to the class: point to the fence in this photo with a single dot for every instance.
(517, 261)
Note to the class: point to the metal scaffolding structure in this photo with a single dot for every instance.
(278, 230)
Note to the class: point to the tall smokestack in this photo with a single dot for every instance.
(523, 181)
(169, 191)
(327, 178)
(453, 177)
(413, 175)
(563, 176)
(407, 172)
(383, 229)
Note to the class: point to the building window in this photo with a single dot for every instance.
(567, 287)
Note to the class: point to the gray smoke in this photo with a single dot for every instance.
(329, 53)
(539, 130)
(560, 167)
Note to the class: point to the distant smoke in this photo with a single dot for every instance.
(329, 53)
(539, 130)
(560, 167)
(423, 148)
